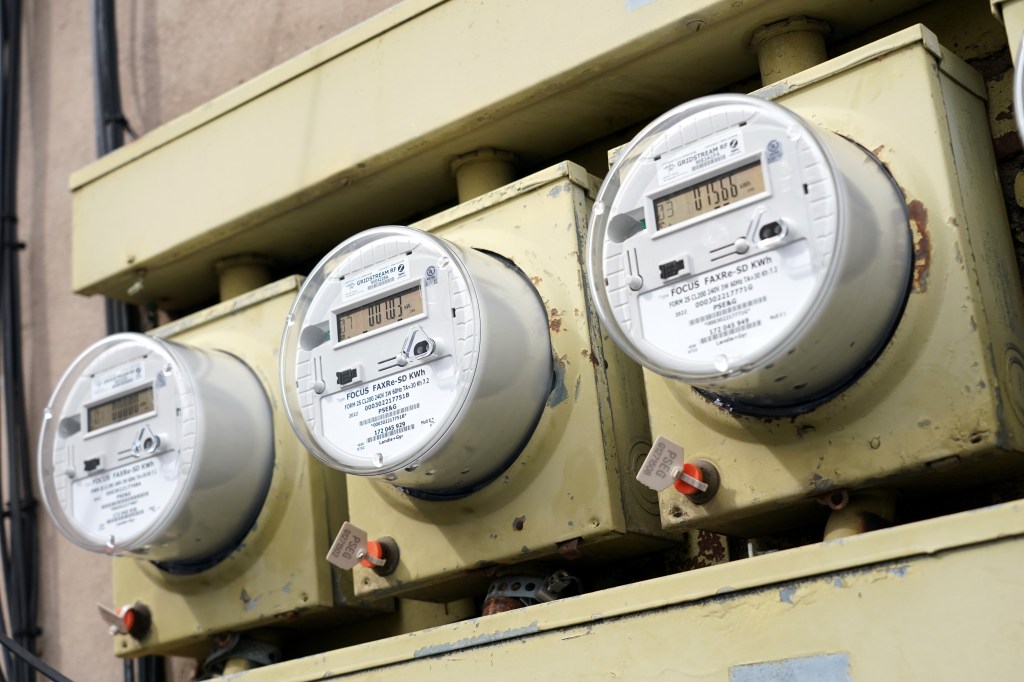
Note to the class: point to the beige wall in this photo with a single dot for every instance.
(174, 57)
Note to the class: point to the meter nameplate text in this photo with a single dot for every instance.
(349, 547)
(392, 414)
(125, 501)
(729, 310)
(699, 156)
(363, 283)
(107, 382)
(662, 465)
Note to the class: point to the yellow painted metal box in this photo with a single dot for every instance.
(277, 576)
(926, 601)
(570, 490)
(944, 402)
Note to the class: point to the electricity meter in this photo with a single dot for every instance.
(412, 359)
(155, 449)
(750, 253)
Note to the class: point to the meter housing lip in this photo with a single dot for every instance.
(181, 537)
(449, 444)
(293, 328)
(824, 291)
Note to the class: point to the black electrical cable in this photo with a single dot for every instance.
(31, 661)
(19, 541)
(111, 125)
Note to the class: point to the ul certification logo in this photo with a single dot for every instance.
(774, 151)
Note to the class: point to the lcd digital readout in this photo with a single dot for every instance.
(717, 192)
(121, 408)
(379, 314)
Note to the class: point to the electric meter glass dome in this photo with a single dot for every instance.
(410, 358)
(157, 449)
(743, 250)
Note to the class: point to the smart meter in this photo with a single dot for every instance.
(745, 251)
(155, 449)
(413, 359)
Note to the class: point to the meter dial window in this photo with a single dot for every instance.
(743, 250)
(120, 409)
(422, 331)
(393, 309)
(720, 191)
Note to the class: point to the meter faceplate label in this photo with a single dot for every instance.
(348, 546)
(659, 469)
(357, 285)
(699, 156)
(390, 415)
(106, 382)
(730, 310)
(127, 500)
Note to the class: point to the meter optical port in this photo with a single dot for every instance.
(770, 231)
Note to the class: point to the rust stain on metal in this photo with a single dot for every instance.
(501, 605)
(1006, 145)
(570, 549)
(922, 245)
(556, 321)
(536, 279)
(589, 355)
(878, 150)
(708, 549)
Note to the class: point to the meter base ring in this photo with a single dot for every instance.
(391, 556)
(198, 566)
(739, 407)
(458, 494)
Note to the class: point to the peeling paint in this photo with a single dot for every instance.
(899, 571)
(469, 642)
(250, 602)
(922, 245)
(560, 393)
(555, 324)
(786, 594)
(821, 668)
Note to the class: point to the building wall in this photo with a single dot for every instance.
(174, 57)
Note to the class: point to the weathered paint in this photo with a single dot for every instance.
(823, 668)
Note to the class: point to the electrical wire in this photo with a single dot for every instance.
(19, 543)
(33, 662)
(111, 125)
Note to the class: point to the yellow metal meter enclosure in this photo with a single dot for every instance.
(944, 401)
(277, 576)
(570, 491)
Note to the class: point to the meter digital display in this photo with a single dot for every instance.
(718, 192)
(155, 449)
(738, 248)
(120, 408)
(412, 359)
(379, 314)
